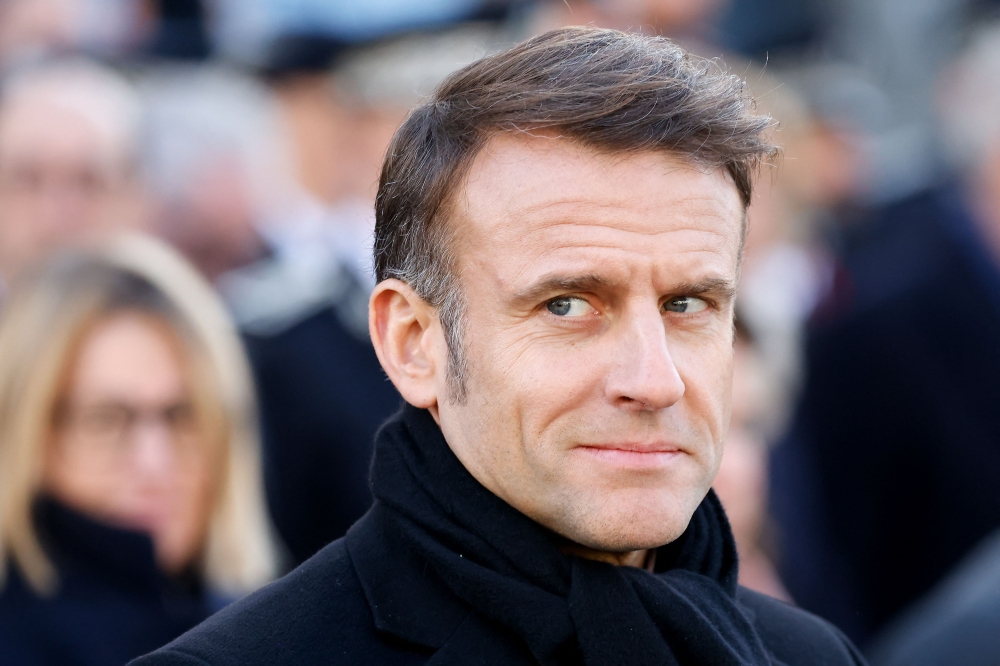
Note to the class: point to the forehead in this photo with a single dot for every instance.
(548, 201)
(132, 354)
(35, 128)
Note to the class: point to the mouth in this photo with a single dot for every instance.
(634, 454)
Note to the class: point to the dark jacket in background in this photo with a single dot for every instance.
(441, 571)
(323, 395)
(956, 624)
(891, 471)
(112, 603)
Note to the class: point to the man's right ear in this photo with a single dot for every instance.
(409, 341)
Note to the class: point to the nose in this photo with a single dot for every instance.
(152, 449)
(644, 376)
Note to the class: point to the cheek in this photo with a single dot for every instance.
(82, 482)
(545, 380)
(524, 394)
(195, 494)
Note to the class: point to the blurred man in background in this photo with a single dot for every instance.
(32, 28)
(956, 623)
(220, 163)
(323, 391)
(68, 170)
(689, 22)
(743, 475)
(216, 165)
(889, 474)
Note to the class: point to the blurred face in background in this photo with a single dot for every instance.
(128, 448)
(28, 25)
(31, 27)
(338, 139)
(213, 221)
(676, 19)
(742, 480)
(666, 15)
(62, 181)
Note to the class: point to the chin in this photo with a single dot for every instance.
(636, 520)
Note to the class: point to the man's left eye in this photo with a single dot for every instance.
(686, 304)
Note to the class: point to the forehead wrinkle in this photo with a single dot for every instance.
(531, 255)
(556, 283)
(492, 166)
(689, 203)
(500, 214)
(584, 276)
(625, 220)
(613, 241)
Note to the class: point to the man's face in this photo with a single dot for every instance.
(61, 182)
(598, 337)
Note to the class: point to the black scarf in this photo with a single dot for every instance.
(567, 610)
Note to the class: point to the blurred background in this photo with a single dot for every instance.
(862, 474)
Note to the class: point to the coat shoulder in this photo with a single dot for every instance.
(796, 637)
(316, 614)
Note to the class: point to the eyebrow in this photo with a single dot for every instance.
(722, 288)
(562, 284)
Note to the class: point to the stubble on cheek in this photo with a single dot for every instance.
(520, 403)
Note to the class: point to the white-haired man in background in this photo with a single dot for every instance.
(67, 159)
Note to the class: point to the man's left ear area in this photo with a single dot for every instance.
(407, 337)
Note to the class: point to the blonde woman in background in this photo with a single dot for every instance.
(131, 502)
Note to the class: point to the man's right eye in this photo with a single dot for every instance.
(569, 306)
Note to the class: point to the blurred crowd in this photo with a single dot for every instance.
(188, 395)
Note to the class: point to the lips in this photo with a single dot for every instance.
(634, 454)
(637, 447)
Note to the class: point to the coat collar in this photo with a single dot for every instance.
(84, 549)
(407, 598)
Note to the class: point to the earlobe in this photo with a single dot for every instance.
(402, 326)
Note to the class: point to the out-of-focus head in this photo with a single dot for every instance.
(33, 28)
(970, 103)
(67, 159)
(217, 162)
(742, 479)
(558, 233)
(124, 394)
(342, 122)
(742, 482)
(665, 16)
(28, 27)
(670, 18)
(970, 110)
(821, 165)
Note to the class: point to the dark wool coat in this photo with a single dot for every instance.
(323, 395)
(380, 608)
(441, 571)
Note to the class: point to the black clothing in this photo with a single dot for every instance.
(112, 603)
(303, 311)
(441, 571)
(956, 624)
(323, 395)
(890, 473)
